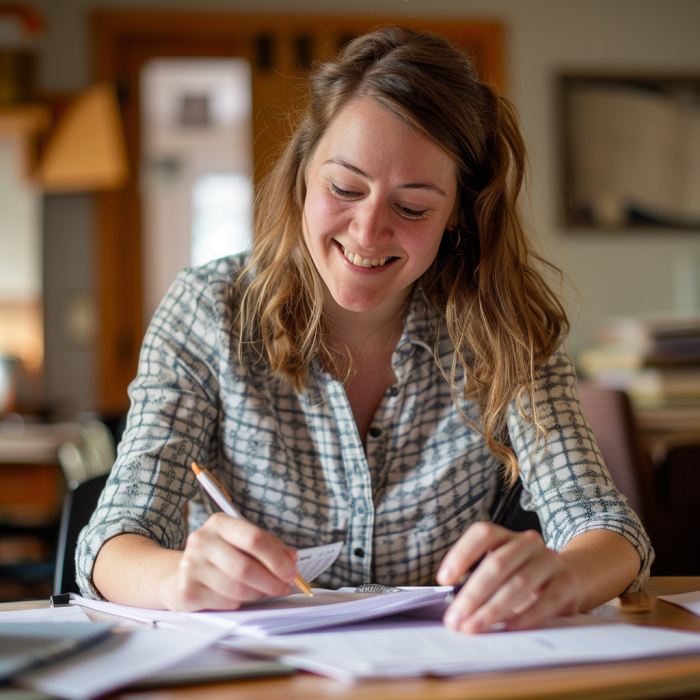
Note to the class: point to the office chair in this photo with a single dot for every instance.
(508, 512)
(78, 505)
(86, 463)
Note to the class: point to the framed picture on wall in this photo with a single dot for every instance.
(630, 151)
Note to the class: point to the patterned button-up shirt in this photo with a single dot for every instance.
(295, 465)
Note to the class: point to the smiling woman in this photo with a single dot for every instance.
(384, 355)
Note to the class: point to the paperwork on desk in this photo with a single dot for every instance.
(293, 613)
(689, 601)
(39, 615)
(409, 648)
(121, 659)
(24, 647)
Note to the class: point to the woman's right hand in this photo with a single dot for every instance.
(227, 562)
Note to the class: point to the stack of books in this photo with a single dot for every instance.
(655, 358)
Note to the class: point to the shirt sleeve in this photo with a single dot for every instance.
(564, 478)
(172, 422)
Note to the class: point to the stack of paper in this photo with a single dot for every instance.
(284, 615)
(409, 648)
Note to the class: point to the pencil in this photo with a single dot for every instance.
(223, 500)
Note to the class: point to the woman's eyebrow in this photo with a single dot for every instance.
(362, 173)
(349, 166)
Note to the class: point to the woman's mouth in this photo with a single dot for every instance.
(359, 261)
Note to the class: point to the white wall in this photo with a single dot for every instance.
(613, 272)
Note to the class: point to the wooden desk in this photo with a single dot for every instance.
(652, 678)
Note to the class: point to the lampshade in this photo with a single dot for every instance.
(87, 150)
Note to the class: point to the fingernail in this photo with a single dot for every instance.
(454, 618)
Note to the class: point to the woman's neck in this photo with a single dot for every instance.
(366, 332)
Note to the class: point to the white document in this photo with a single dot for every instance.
(118, 661)
(403, 648)
(689, 601)
(326, 609)
(67, 614)
(312, 562)
(292, 613)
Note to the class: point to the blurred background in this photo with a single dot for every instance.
(132, 133)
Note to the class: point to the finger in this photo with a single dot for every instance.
(233, 589)
(556, 598)
(479, 539)
(519, 593)
(242, 569)
(494, 572)
(269, 550)
(193, 595)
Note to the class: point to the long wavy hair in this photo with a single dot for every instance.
(501, 315)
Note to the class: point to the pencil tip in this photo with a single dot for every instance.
(195, 468)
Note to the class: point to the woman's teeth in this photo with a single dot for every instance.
(363, 262)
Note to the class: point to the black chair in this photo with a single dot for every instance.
(508, 512)
(78, 505)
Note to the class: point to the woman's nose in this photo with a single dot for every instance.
(370, 226)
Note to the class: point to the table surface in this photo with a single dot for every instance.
(650, 678)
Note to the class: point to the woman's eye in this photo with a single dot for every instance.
(343, 193)
(412, 213)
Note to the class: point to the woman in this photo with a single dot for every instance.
(383, 357)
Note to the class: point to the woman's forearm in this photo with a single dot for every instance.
(605, 563)
(134, 570)
(226, 562)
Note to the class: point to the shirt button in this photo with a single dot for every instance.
(394, 391)
(375, 432)
(359, 552)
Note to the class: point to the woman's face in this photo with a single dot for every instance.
(379, 197)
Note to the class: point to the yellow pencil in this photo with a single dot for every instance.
(223, 500)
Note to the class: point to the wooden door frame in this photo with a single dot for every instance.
(123, 40)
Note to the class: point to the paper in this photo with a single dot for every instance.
(120, 660)
(409, 648)
(326, 609)
(292, 613)
(213, 665)
(67, 614)
(23, 647)
(312, 562)
(689, 601)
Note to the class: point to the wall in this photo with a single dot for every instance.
(610, 273)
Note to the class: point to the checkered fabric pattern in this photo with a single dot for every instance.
(294, 463)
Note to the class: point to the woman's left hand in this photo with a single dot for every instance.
(519, 581)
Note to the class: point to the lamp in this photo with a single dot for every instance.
(87, 150)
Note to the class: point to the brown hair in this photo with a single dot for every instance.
(501, 315)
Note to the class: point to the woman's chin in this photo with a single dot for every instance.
(355, 304)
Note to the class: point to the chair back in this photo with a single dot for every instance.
(78, 505)
(609, 413)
